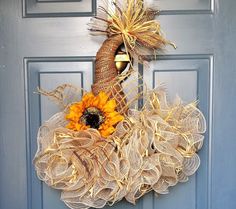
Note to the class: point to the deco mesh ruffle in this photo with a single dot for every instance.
(151, 149)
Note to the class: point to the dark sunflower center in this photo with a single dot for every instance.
(92, 117)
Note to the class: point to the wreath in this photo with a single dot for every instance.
(102, 146)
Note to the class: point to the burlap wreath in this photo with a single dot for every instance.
(146, 149)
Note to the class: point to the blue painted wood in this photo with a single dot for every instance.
(223, 167)
(58, 8)
(183, 6)
(204, 32)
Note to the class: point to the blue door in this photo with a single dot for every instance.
(46, 43)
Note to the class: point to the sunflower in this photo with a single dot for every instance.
(96, 112)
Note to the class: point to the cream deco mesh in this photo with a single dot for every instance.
(151, 148)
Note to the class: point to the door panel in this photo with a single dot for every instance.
(58, 8)
(183, 6)
(48, 73)
(46, 43)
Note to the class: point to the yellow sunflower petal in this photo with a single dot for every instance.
(87, 98)
(73, 116)
(109, 106)
(116, 119)
(80, 108)
(78, 126)
(70, 125)
(95, 102)
(102, 97)
(112, 114)
(108, 131)
(76, 107)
